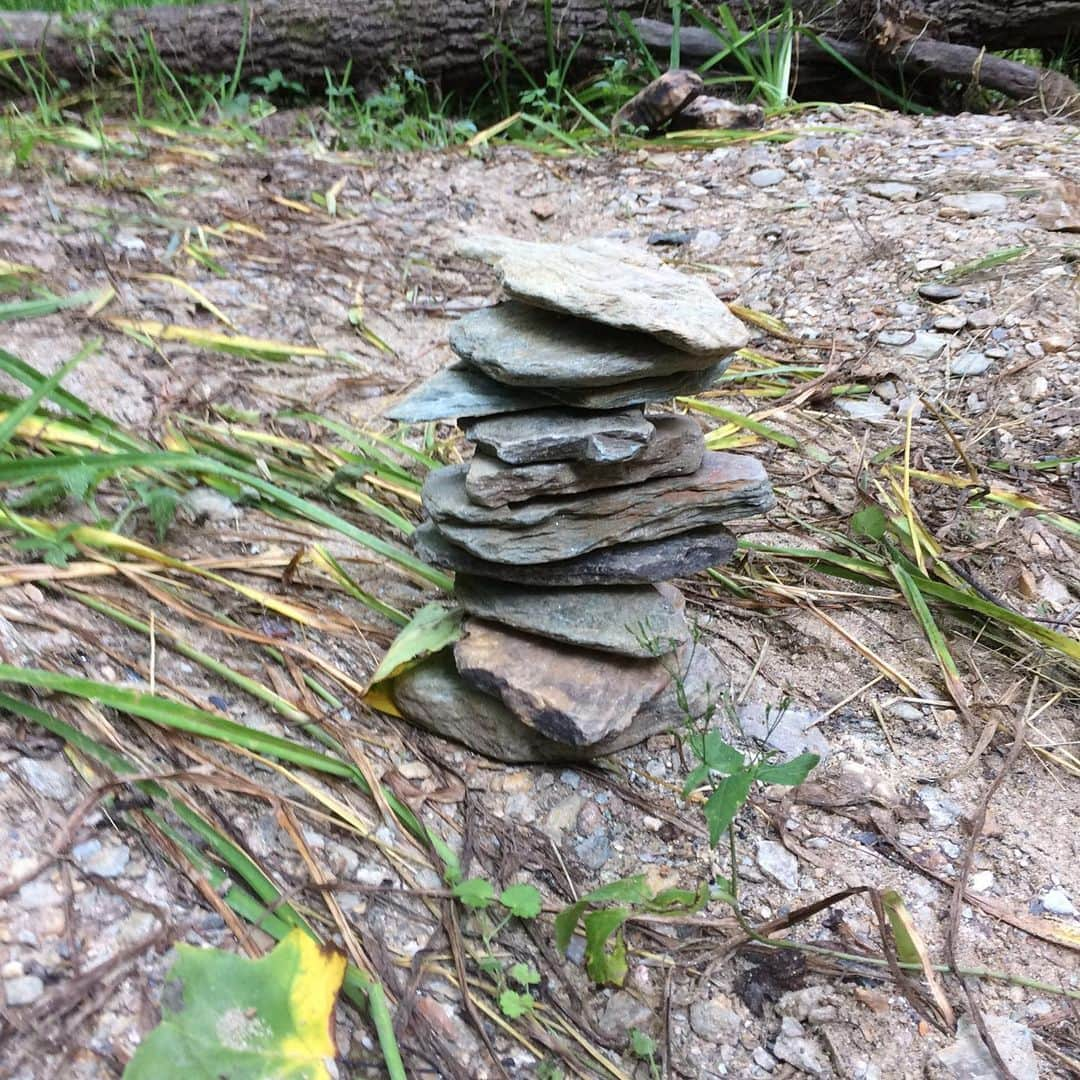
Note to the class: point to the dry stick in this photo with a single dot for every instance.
(957, 902)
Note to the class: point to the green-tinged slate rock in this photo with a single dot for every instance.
(461, 391)
(528, 346)
(435, 697)
(641, 621)
(614, 284)
(676, 448)
(726, 486)
(561, 434)
(622, 564)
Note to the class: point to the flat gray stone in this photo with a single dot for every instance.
(433, 696)
(977, 203)
(631, 620)
(675, 449)
(528, 346)
(461, 391)
(968, 1059)
(939, 293)
(53, 779)
(778, 864)
(23, 990)
(726, 486)
(762, 178)
(570, 694)
(969, 363)
(919, 345)
(561, 435)
(893, 190)
(616, 285)
(623, 564)
(640, 391)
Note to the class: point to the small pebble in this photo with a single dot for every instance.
(24, 990)
(762, 178)
(939, 293)
(969, 363)
(1057, 902)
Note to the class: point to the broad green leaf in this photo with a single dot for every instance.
(791, 772)
(432, 628)
(566, 923)
(606, 965)
(524, 975)
(630, 890)
(642, 1045)
(695, 779)
(723, 804)
(241, 1019)
(524, 901)
(870, 522)
(717, 754)
(475, 893)
(514, 1004)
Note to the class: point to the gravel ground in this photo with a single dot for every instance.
(832, 232)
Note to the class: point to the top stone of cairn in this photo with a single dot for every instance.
(614, 284)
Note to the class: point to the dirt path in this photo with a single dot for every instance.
(831, 232)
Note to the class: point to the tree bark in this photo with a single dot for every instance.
(455, 42)
(450, 41)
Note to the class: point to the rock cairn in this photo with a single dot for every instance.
(577, 505)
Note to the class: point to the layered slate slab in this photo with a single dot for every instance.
(528, 346)
(641, 621)
(622, 564)
(573, 695)
(462, 391)
(675, 449)
(616, 285)
(546, 530)
(561, 435)
(435, 697)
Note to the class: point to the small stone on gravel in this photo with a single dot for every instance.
(778, 864)
(24, 990)
(49, 778)
(943, 810)
(715, 1020)
(623, 1012)
(968, 1059)
(593, 851)
(969, 363)
(976, 203)
(1057, 902)
(793, 1046)
(939, 293)
(893, 191)
(762, 178)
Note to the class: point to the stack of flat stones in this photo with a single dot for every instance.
(577, 505)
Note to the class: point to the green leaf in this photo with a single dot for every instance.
(514, 1004)
(524, 901)
(490, 965)
(870, 522)
(432, 628)
(695, 779)
(679, 901)
(475, 893)
(606, 965)
(723, 804)
(566, 923)
(717, 754)
(629, 890)
(246, 1019)
(524, 975)
(161, 503)
(790, 773)
(641, 1045)
(451, 864)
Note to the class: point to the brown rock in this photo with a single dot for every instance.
(433, 696)
(570, 694)
(718, 114)
(662, 100)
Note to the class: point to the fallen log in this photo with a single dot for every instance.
(889, 49)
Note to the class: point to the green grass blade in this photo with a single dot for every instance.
(29, 470)
(44, 389)
(756, 426)
(47, 305)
